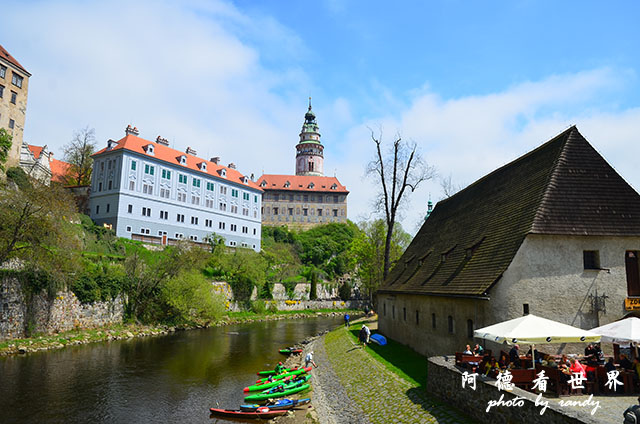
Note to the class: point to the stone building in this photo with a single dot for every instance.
(147, 191)
(308, 198)
(14, 87)
(38, 163)
(555, 233)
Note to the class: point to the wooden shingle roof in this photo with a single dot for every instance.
(563, 187)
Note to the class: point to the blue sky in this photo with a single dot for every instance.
(474, 84)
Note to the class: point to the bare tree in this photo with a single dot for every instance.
(400, 168)
(78, 154)
(449, 188)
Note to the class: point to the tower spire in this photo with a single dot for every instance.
(309, 151)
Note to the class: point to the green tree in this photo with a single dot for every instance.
(36, 228)
(244, 269)
(78, 154)
(5, 146)
(369, 249)
(191, 298)
(328, 247)
(281, 262)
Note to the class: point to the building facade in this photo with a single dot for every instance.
(555, 233)
(38, 163)
(307, 198)
(148, 191)
(14, 88)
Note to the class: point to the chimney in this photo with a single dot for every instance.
(215, 159)
(252, 177)
(131, 130)
(232, 165)
(190, 151)
(162, 141)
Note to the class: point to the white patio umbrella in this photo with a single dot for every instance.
(532, 330)
(620, 332)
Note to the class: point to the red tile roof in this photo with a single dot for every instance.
(4, 54)
(166, 154)
(35, 150)
(301, 183)
(59, 170)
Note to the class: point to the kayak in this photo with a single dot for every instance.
(260, 413)
(378, 339)
(297, 388)
(279, 405)
(286, 381)
(273, 372)
(262, 381)
(290, 351)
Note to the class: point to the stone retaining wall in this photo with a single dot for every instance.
(45, 315)
(444, 380)
(301, 291)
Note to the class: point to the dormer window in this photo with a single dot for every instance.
(111, 144)
(149, 149)
(287, 184)
(223, 172)
(311, 185)
(334, 186)
(245, 179)
(183, 160)
(203, 166)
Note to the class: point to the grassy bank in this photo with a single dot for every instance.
(40, 342)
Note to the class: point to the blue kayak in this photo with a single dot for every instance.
(378, 339)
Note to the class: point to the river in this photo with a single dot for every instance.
(169, 379)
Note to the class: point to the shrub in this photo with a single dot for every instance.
(313, 292)
(345, 291)
(191, 298)
(18, 176)
(273, 307)
(259, 307)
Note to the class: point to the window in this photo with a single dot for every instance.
(165, 192)
(234, 193)
(319, 212)
(209, 203)
(245, 230)
(132, 185)
(196, 182)
(149, 169)
(195, 200)
(12, 123)
(108, 207)
(591, 259)
(450, 324)
(223, 206)
(275, 211)
(255, 199)
(404, 313)
(208, 223)
(164, 214)
(417, 317)
(245, 211)
(194, 220)
(393, 311)
(182, 197)
(233, 227)
(147, 188)
(234, 209)
(633, 273)
(335, 199)
(110, 185)
(1, 91)
(384, 309)
(14, 97)
(525, 309)
(97, 209)
(210, 187)
(290, 211)
(3, 71)
(433, 321)
(128, 228)
(193, 238)
(180, 217)
(146, 211)
(254, 231)
(99, 186)
(305, 198)
(144, 231)
(221, 225)
(166, 174)
(179, 235)
(305, 212)
(16, 80)
(223, 190)
(245, 196)
(182, 179)
(133, 165)
(335, 212)
(130, 209)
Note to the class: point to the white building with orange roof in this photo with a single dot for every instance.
(38, 163)
(308, 198)
(145, 190)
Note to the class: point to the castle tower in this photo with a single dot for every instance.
(309, 151)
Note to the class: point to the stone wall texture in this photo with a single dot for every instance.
(41, 314)
(444, 381)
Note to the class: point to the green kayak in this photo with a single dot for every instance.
(261, 397)
(268, 385)
(260, 384)
(273, 372)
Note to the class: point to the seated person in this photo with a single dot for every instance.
(514, 356)
(565, 372)
(538, 355)
(491, 367)
(467, 351)
(625, 363)
(599, 354)
(478, 350)
(503, 363)
(577, 368)
(609, 366)
(551, 362)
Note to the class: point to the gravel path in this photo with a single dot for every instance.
(330, 399)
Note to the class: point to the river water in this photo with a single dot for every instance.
(169, 379)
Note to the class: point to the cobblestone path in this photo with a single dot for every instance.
(384, 396)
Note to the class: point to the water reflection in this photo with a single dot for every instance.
(173, 378)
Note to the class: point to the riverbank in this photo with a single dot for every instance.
(39, 343)
(373, 384)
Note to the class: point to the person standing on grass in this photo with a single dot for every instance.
(368, 333)
(346, 320)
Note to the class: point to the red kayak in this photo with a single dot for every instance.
(260, 413)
